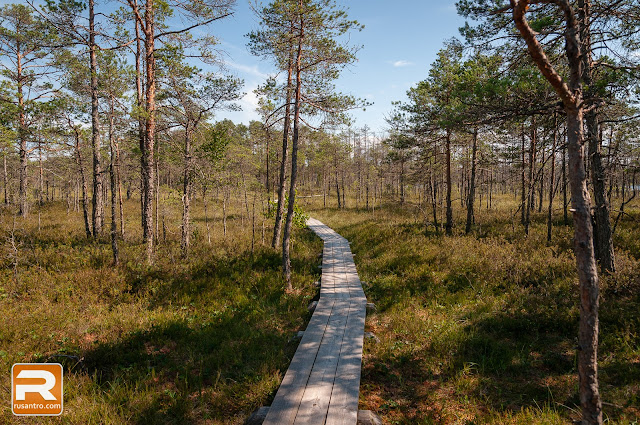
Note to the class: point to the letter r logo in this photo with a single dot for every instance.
(43, 389)
(36, 389)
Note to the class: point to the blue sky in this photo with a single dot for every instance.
(400, 40)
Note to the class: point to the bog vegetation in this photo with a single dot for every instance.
(161, 255)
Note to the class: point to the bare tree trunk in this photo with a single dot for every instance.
(434, 193)
(148, 171)
(186, 194)
(449, 223)
(587, 273)
(157, 193)
(344, 204)
(565, 215)
(119, 191)
(4, 176)
(553, 176)
(401, 180)
(531, 187)
(141, 128)
(338, 191)
(85, 198)
(253, 224)
(277, 228)
(523, 194)
(224, 213)
(114, 193)
(97, 201)
(206, 213)
(571, 96)
(603, 242)
(267, 180)
(472, 182)
(286, 239)
(22, 147)
(533, 151)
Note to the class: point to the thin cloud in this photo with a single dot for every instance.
(401, 63)
(247, 69)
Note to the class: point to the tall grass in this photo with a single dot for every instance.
(199, 340)
(482, 328)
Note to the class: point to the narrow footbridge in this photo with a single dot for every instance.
(322, 383)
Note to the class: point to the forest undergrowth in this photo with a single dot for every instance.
(202, 340)
(482, 328)
(477, 328)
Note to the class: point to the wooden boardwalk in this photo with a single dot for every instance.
(322, 383)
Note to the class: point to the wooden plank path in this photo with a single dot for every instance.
(322, 383)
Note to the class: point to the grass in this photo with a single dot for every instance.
(202, 341)
(482, 328)
(477, 328)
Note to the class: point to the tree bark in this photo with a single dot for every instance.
(531, 189)
(602, 226)
(186, 194)
(113, 184)
(141, 127)
(277, 228)
(449, 223)
(286, 239)
(553, 176)
(565, 215)
(97, 201)
(4, 176)
(472, 182)
(85, 197)
(523, 180)
(23, 203)
(571, 95)
(148, 170)
(119, 191)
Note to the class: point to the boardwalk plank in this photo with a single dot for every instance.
(323, 381)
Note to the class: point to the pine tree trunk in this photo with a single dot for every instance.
(4, 176)
(22, 151)
(553, 176)
(449, 223)
(119, 191)
(185, 240)
(523, 191)
(277, 228)
(85, 197)
(286, 239)
(148, 170)
(603, 243)
(571, 96)
(338, 191)
(565, 215)
(113, 184)
(97, 201)
(472, 182)
(141, 129)
(587, 273)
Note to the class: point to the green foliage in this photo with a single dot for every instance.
(216, 141)
(542, 22)
(300, 218)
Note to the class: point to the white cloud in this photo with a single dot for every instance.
(249, 101)
(401, 63)
(247, 69)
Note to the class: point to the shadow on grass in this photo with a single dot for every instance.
(520, 356)
(218, 347)
(174, 362)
